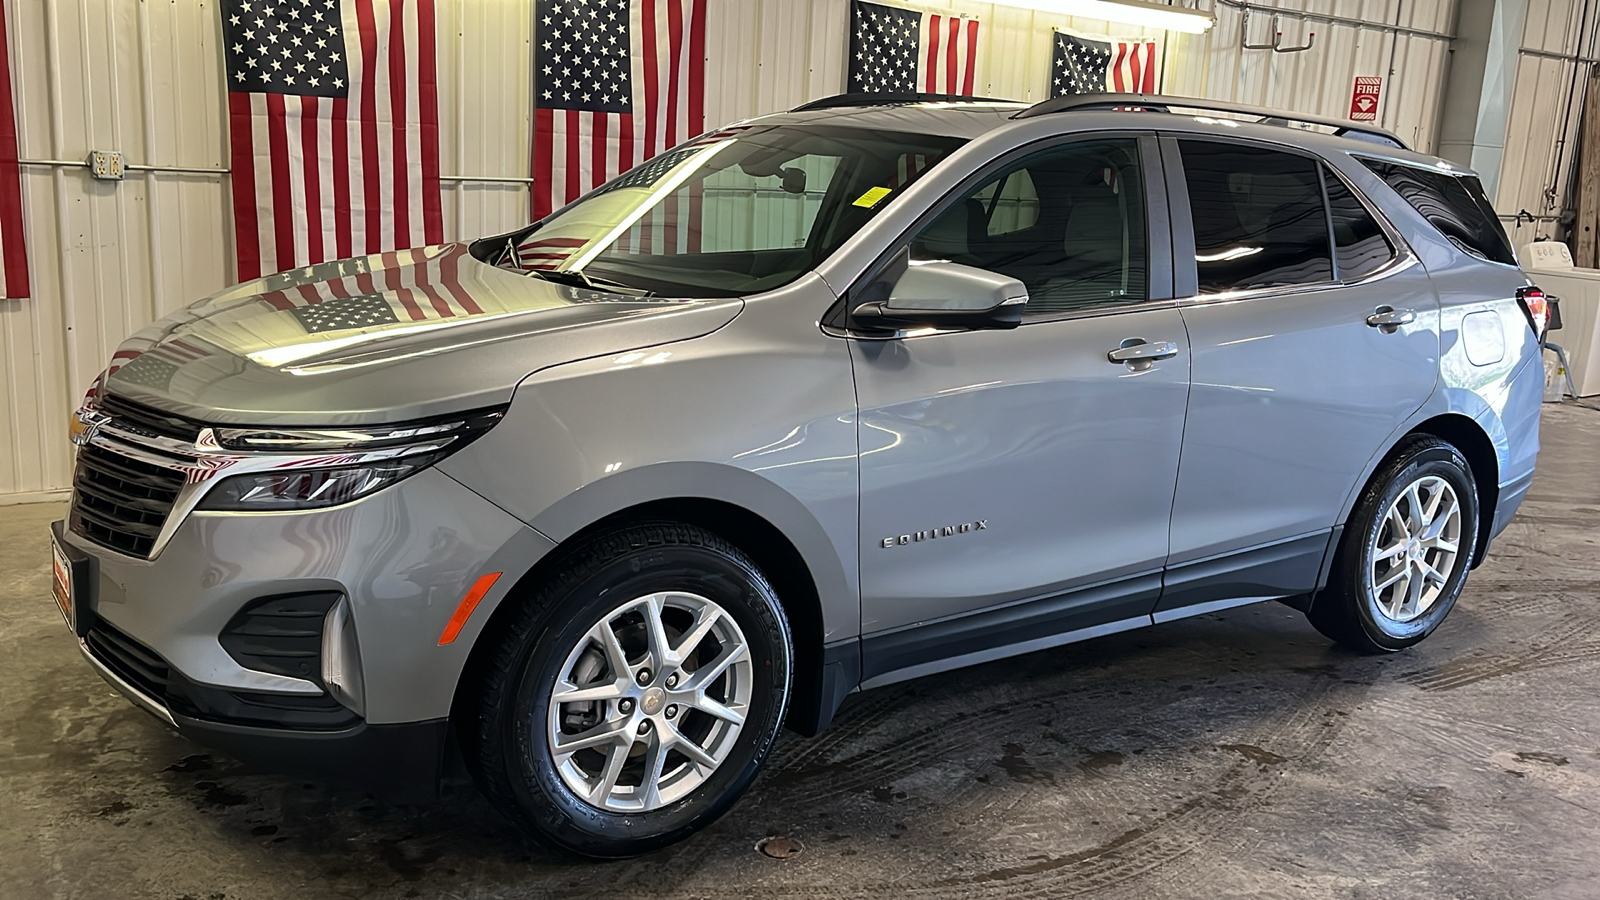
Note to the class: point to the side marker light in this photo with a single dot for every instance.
(468, 604)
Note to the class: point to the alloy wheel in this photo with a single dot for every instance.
(650, 702)
(1414, 549)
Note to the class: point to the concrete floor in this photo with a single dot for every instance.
(1233, 755)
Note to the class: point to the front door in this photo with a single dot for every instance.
(1294, 389)
(1016, 485)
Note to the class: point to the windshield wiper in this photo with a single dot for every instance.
(511, 253)
(578, 278)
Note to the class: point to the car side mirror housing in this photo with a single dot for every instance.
(941, 294)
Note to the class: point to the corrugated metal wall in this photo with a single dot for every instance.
(1542, 125)
(144, 77)
(105, 257)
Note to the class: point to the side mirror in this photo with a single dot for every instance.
(940, 294)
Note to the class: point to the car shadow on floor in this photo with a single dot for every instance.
(1213, 708)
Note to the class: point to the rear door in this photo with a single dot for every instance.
(1313, 337)
(1016, 485)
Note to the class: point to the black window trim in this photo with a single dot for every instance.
(1440, 169)
(1158, 240)
(1183, 247)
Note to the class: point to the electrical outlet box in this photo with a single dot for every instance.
(106, 165)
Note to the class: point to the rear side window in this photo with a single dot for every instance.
(1359, 245)
(1455, 204)
(1259, 219)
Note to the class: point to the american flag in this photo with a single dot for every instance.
(894, 50)
(148, 370)
(1081, 65)
(13, 250)
(616, 82)
(334, 122)
(408, 286)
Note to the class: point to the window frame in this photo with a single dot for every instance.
(1158, 237)
(1185, 271)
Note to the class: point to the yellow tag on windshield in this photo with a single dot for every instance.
(872, 196)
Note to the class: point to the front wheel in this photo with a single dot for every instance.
(635, 694)
(1405, 552)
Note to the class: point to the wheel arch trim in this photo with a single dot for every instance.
(1455, 416)
(766, 522)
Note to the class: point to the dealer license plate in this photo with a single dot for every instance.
(61, 582)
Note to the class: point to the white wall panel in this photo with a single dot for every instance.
(1319, 80)
(1543, 122)
(144, 77)
(105, 257)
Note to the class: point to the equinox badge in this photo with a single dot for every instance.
(930, 534)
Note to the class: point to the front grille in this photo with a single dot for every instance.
(133, 662)
(120, 502)
(147, 420)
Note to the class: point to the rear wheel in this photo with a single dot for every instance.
(1405, 552)
(636, 693)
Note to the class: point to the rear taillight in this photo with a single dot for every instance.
(1537, 307)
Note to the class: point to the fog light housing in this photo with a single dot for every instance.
(341, 659)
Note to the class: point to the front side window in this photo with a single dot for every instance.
(732, 213)
(1259, 219)
(1069, 223)
(1455, 204)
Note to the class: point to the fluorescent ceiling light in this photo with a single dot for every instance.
(1129, 12)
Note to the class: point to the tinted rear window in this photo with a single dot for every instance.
(1359, 245)
(1455, 204)
(1258, 217)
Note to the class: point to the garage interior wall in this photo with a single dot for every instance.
(144, 77)
(1558, 47)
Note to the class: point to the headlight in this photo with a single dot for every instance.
(416, 436)
(358, 461)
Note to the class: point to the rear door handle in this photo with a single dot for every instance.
(1135, 349)
(1387, 318)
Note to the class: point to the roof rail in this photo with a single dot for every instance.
(1164, 103)
(861, 98)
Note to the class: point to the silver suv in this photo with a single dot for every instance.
(875, 388)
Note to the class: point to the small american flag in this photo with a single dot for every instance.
(1081, 65)
(894, 50)
(148, 370)
(409, 286)
(13, 249)
(334, 126)
(616, 82)
(345, 313)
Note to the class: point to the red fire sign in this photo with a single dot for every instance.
(1364, 98)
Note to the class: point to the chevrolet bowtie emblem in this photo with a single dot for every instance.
(86, 423)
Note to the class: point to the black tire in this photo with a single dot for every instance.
(1346, 610)
(502, 724)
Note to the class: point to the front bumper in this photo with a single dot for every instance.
(401, 558)
(400, 763)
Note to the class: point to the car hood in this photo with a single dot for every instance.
(384, 338)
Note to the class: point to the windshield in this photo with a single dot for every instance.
(740, 211)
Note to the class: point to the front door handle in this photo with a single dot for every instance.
(1388, 319)
(1141, 350)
